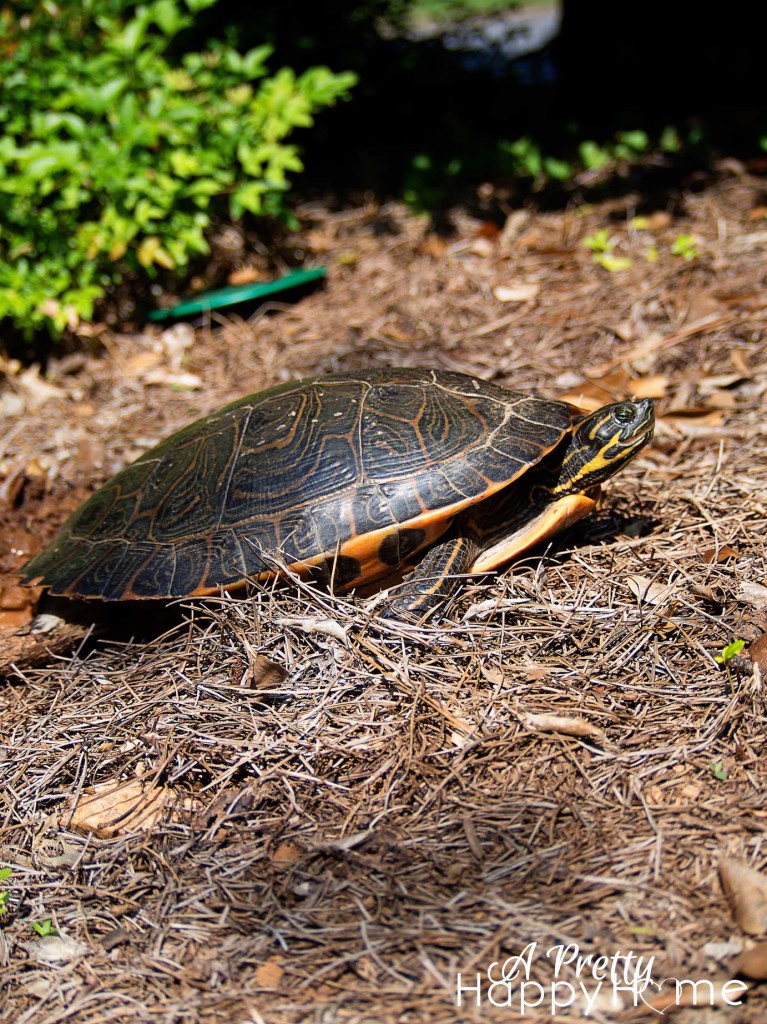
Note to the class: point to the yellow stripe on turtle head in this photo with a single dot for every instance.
(604, 442)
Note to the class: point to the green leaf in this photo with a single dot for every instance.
(729, 652)
(593, 156)
(685, 246)
(560, 170)
(638, 141)
(599, 241)
(615, 264)
(718, 770)
(115, 152)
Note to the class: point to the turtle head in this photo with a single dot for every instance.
(603, 442)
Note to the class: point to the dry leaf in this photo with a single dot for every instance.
(481, 246)
(138, 365)
(754, 594)
(689, 422)
(746, 889)
(516, 293)
(265, 674)
(723, 380)
(331, 627)
(55, 949)
(115, 808)
(285, 855)
(752, 962)
(651, 386)
(718, 555)
(713, 594)
(757, 652)
(245, 275)
(492, 675)
(269, 973)
(648, 591)
(595, 392)
(562, 723)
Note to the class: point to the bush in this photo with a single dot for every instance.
(114, 158)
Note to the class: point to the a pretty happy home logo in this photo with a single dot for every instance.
(587, 981)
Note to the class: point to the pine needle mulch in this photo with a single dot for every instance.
(286, 808)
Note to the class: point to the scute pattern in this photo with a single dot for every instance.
(300, 473)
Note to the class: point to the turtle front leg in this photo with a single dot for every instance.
(433, 581)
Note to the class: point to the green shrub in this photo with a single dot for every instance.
(114, 157)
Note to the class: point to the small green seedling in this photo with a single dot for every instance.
(45, 928)
(600, 241)
(602, 246)
(718, 770)
(685, 246)
(729, 652)
(5, 896)
(593, 156)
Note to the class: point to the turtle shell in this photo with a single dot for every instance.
(351, 473)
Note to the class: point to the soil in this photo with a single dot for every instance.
(286, 808)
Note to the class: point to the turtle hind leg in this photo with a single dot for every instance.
(432, 582)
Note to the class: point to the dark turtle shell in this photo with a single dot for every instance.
(354, 471)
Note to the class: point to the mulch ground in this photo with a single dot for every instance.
(286, 808)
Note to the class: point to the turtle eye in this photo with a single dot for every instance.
(624, 414)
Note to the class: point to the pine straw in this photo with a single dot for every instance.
(346, 839)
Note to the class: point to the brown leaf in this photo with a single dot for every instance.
(718, 555)
(757, 652)
(269, 973)
(115, 808)
(600, 389)
(713, 594)
(285, 855)
(564, 724)
(648, 591)
(746, 889)
(690, 422)
(650, 386)
(752, 962)
(245, 275)
(266, 674)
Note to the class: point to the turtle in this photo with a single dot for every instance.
(357, 478)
